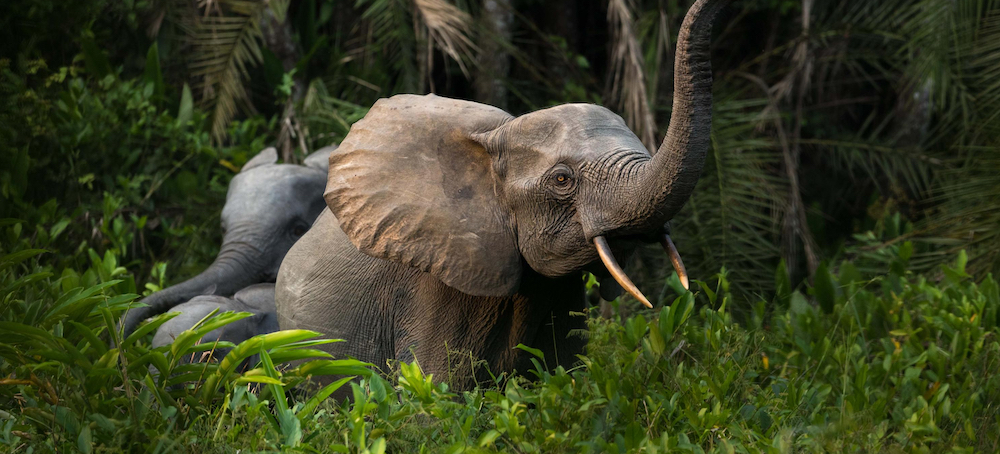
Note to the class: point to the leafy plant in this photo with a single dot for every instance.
(74, 382)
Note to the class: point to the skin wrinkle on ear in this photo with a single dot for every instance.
(410, 211)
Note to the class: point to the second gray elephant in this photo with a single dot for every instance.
(269, 206)
(256, 299)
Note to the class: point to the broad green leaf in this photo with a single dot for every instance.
(314, 401)
(147, 328)
(207, 324)
(152, 72)
(534, 351)
(782, 286)
(826, 293)
(186, 109)
(94, 57)
(84, 442)
(262, 379)
(19, 256)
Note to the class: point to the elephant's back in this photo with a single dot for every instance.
(326, 285)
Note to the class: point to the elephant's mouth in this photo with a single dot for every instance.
(616, 271)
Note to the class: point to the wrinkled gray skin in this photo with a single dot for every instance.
(455, 226)
(257, 299)
(268, 207)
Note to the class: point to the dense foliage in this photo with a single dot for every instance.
(891, 363)
(829, 115)
(850, 198)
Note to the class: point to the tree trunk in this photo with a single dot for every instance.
(494, 61)
(795, 228)
(279, 40)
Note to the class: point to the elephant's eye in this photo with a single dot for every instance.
(559, 182)
(299, 230)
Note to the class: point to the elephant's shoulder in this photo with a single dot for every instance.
(325, 264)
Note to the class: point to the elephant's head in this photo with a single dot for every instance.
(268, 207)
(472, 195)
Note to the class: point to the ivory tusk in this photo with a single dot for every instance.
(675, 259)
(616, 271)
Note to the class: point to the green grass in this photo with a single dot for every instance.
(888, 363)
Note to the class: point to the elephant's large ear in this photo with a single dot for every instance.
(266, 156)
(410, 184)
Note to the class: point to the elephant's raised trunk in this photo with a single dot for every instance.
(666, 181)
(663, 184)
(224, 276)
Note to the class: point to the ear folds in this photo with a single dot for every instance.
(320, 159)
(410, 184)
(267, 156)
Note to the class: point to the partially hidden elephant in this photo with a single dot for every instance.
(456, 227)
(268, 207)
(257, 299)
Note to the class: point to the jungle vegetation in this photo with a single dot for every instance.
(843, 236)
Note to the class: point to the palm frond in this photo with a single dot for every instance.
(962, 65)
(968, 213)
(733, 218)
(226, 41)
(627, 75)
(449, 28)
(389, 36)
(325, 119)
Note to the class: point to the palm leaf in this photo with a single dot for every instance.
(964, 69)
(449, 28)
(389, 38)
(322, 112)
(226, 41)
(733, 217)
(627, 75)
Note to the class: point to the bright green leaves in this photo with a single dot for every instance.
(66, 375)
(856, 363)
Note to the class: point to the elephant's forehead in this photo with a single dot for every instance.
(267, 188)
(576, 131)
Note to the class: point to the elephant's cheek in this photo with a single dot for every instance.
(557, 259)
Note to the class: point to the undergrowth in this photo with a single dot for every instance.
(890, 363)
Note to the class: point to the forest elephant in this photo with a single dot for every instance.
(268, 207)
(456, 227)
(257, 299)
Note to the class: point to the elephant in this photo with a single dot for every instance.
(257, 299)
(268, 207)
(457, 227)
